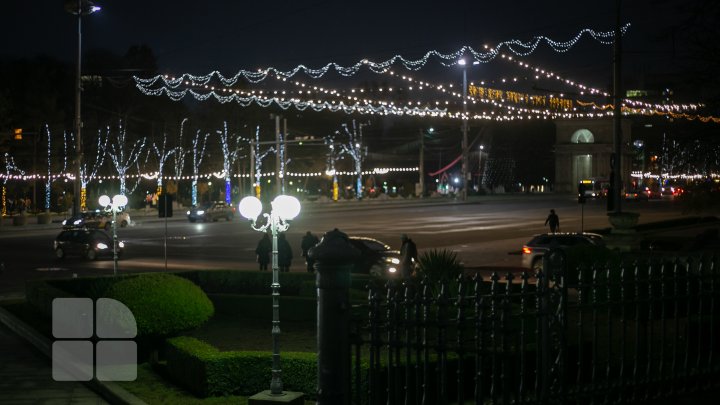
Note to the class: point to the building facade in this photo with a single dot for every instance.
(583, 149)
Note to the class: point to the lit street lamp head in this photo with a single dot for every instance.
(250, 207)
(287, 207)
(86, 7)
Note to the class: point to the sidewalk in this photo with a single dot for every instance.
(26, 377)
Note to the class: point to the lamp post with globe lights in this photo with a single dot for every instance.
(284, 209)
(115, 205)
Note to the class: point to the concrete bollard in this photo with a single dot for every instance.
(334, 259)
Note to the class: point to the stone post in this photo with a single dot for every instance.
(334, 259)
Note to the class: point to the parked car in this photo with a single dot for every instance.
(96, 220)
(88, 219)
(123, 218)
(376, 257)
(636, 194)
(534, 250)
(88, 243)
(211, 211)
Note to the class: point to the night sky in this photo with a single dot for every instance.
(198, 37)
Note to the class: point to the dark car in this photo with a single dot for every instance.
(88, 243)
(376, 257)
(88, 219)
(211, 211)
(534, 250)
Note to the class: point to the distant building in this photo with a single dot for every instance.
(583, 148)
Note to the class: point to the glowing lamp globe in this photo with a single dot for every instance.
(104, 200)
(250, 207)
(119, 200)
(287, 207)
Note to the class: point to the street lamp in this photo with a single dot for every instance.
(284, 208)
(79, 8)
(465, 172)
(115, 205)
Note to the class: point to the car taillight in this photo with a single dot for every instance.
(526, 250)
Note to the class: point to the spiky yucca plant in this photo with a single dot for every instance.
(439, 264)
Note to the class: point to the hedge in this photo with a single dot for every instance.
(162, 304)
(206, 371)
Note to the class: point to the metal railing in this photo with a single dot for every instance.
(623, 332)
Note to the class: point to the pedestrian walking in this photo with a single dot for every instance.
(284, 253)
(554, 221)
(308, 241)
(408, 256)
(263, 249)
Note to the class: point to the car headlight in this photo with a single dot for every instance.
(392, 270)
(200, 212)
(121, 244)
(102, 246)
(393, 260)
(64, 222)
(188, 212)
(77, 222)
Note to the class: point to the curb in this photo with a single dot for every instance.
(110, 391)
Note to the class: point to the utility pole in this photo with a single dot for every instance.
(617, 114)
(278, 186)
(421, 163)
(465, 173)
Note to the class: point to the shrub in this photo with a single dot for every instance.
(206, 371)
(439, 264)
(163, 304)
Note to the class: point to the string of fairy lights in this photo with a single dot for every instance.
(560, 107)
(518, 47)
(202, 176)
(201, 89)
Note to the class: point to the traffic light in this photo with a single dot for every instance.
(17, 134)
(581, 193)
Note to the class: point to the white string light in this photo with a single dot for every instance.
(515, 46)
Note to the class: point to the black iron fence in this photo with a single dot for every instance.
(612, 332)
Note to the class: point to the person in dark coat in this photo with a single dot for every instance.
(408, 256)
(554, 221)
(284, 253)
(263, 250)
(308, 241)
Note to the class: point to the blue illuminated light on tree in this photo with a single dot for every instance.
(198, 154)
(229, 158)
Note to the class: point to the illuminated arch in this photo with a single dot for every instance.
(582, 136)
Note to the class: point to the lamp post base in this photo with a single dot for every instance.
(286, 398)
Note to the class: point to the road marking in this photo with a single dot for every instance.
(51, 269)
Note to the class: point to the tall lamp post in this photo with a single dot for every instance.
(115, 205)
(465, 171)
(79, 8)
(284, 209)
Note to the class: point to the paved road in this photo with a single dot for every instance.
(482, 232)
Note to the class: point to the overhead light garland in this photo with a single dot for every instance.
(517, 47)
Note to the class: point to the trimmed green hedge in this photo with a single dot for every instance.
(206, 371)
(163, 304)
